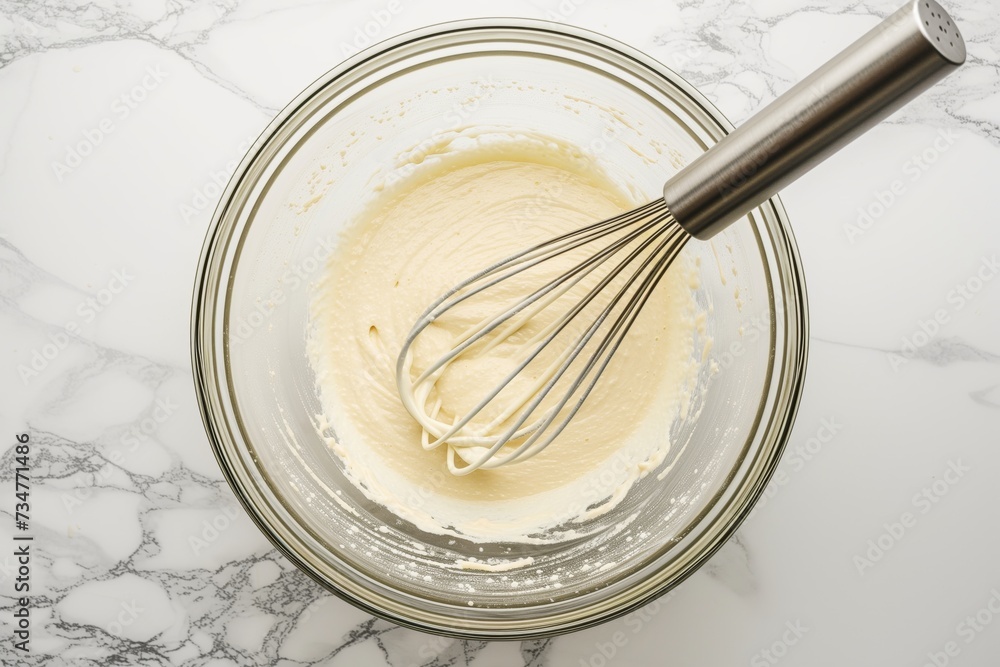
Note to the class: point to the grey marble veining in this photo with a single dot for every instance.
(141, 554)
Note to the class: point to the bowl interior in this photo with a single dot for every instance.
(315, 170)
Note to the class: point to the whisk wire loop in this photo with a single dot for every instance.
(649, 239)
(610, 343)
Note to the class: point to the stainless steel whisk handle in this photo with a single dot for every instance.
(893, 63)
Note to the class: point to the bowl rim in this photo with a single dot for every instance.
(212, 396)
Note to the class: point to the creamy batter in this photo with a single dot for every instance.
(471, 205)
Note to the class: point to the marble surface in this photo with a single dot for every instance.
(876, 543)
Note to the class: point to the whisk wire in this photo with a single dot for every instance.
(475, 333)
(581, 270)
(611, 340)
(648, 235)
(481, 330)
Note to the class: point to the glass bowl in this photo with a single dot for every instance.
(279, 220)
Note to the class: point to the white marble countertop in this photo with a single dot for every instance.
(877, 543)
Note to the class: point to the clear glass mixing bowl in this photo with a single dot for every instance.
(277, 223)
